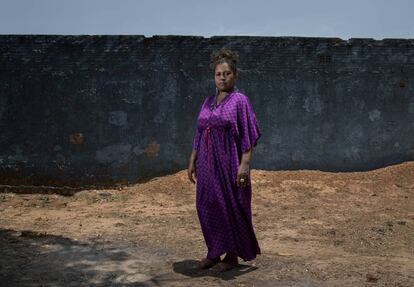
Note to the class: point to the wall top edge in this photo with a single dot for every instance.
(336, 40)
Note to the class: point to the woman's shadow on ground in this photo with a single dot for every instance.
(190, 268)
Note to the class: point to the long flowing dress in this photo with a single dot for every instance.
(222, 134)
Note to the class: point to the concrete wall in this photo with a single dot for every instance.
(98, 110)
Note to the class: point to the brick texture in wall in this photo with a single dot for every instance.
(102, 110)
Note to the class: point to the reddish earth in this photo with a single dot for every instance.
(314, 228)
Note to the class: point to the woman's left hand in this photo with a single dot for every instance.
(243, 174)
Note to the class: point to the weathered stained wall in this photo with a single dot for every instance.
(78, 110)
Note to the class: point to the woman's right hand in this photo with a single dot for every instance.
(191, 166)
(191, 170)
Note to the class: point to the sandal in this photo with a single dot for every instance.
(207, 263)
(224, 266)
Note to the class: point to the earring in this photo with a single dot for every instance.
(216, 91)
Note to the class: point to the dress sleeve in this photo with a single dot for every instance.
(247, 125)
(197, 132)
(196, 139)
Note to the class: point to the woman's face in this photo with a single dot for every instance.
(224, 77)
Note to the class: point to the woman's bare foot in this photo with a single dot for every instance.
(207, 263)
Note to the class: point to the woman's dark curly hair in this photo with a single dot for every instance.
(225, 56)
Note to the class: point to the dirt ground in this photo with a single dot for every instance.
(314, 228)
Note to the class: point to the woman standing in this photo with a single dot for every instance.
(226, 132)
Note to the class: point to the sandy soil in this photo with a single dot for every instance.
(314, 228)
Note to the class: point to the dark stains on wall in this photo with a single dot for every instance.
(101, 110)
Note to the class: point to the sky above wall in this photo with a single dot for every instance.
(376, 19)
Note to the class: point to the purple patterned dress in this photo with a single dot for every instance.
(222, 134)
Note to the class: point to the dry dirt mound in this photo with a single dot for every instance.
(314, 228)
